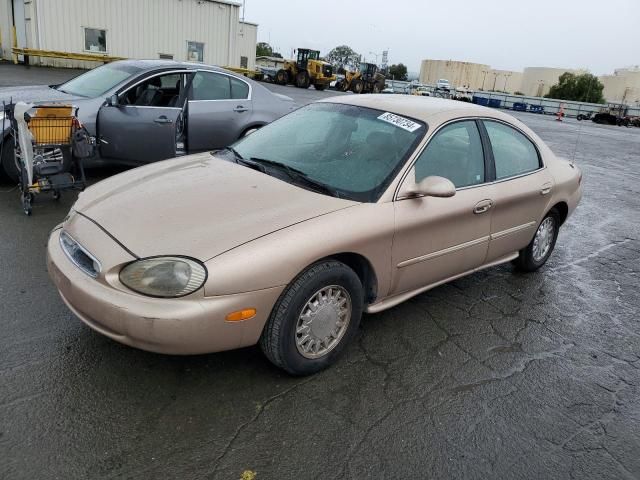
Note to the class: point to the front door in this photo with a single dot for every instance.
(522, 190)
(437, 238)
(146, 122)
(219, 110)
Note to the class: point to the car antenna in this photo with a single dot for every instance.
(575, 147)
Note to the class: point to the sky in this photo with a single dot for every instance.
(595, 35)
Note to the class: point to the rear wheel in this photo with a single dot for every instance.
(302, 79)
(580, 117)
(8, 160)
(357, 86)
(536, 254)
(282, 77)
(314, 318)
(377, 87)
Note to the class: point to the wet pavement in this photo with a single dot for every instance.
(497, 375)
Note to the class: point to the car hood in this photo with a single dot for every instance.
(34, 94)
(199, 206)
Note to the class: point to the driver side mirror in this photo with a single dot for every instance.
(112, 101)
(432, 186)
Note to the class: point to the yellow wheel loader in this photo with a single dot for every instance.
(367, 79)
(306, 70)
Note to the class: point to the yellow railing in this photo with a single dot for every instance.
(245, 71)
(32, 52)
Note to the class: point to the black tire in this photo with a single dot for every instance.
(580, 117)
(526, 260)
(321, 86)
(282, 77)
(278, 340)
(302, 79)
(27, 201)
(357, 86)
(7, 160)
(377, 88)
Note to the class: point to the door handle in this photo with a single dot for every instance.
(482, 206)
(240, 109)
(546, 188)
(163, 119)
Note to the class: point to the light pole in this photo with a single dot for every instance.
(376, 54)
(495, 79)
(506, 77)
(484, 77)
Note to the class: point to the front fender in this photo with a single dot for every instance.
(275, 259)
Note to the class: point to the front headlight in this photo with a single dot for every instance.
(167, 277)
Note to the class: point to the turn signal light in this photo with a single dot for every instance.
(240, 315)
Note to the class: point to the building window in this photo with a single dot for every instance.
(244, 62)
(95, 40)
(195, 52)
(165, 56)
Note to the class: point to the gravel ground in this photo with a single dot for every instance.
(497, 375)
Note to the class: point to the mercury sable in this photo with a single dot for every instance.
(349, 205)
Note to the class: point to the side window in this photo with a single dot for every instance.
(513, 153)
(454, 153)
(157, 91)
(210, 86)
(239, 89)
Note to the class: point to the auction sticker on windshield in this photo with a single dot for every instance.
(399, 121)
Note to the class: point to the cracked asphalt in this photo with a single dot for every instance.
(497, 375)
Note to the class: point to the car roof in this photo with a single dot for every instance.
(147, 65)
(419, 107)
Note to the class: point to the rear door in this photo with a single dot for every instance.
(219, 110)
(144, 125)
(521, 191)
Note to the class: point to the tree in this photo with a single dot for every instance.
(580, 88)
(263, 49)
(398, 72)
(343, 57)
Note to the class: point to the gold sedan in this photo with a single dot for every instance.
(349, 205)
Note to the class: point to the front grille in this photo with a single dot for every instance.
(80, 257)
(327, 70)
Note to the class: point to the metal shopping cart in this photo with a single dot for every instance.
(50, 144)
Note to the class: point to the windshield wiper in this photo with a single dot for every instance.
(298, 175)
(239, 159)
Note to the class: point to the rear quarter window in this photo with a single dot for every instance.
(513, 153)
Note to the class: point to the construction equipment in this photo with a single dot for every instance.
(306, 70)
(366, 79)
(613, 114)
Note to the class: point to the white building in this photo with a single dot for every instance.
(209, 31)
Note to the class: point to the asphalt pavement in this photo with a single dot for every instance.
(498, 375)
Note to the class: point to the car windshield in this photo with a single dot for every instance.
(98, 81)
(353, 151)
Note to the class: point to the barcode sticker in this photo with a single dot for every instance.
(399, 121)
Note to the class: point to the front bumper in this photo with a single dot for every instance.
(184, 326)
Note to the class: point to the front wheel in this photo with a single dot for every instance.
(580, 117)
(536, 254)
(314, 319)
(302, 79)
(357, 86)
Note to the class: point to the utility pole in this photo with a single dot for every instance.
(483, 78)
(506, 77)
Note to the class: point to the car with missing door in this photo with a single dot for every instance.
(352, 204)
(141, 111)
